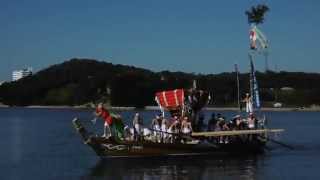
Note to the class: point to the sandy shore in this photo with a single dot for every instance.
(236, 109)
(155, 108)
(3, 105)
(262, 109)
(78, 107)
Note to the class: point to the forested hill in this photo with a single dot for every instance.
(81, 81)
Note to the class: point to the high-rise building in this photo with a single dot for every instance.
(18, 74)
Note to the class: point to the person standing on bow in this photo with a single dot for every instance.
(248, 101)
(105, 115)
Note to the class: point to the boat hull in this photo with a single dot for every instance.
(112, 148)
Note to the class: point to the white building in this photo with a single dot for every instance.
(18, 74)
(277, 105)
(287, 89)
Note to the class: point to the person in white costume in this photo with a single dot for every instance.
(248, 101)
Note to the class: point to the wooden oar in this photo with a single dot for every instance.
(235, 132)
(278, 142)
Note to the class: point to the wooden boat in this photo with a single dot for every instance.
(181, 103)
(240, 142)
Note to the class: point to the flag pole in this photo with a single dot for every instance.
(238, 85)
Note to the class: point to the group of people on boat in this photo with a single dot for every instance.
(160, 129)
(219, 123)
(170, 130)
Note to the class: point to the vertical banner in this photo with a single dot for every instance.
(254, 91)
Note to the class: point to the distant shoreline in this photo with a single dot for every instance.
(155, 108)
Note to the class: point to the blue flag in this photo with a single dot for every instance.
(254, 91)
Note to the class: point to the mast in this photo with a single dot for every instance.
(238, 86)
(266, 55)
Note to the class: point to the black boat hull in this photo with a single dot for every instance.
(112, 148)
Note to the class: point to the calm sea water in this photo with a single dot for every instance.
(41, 144)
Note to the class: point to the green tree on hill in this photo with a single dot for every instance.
(81, 81)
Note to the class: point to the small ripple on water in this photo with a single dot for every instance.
(45, 144)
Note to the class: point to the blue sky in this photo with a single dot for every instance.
(206, 36)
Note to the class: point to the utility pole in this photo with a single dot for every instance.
(266, 55)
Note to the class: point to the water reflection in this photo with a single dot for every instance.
(182, 168)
